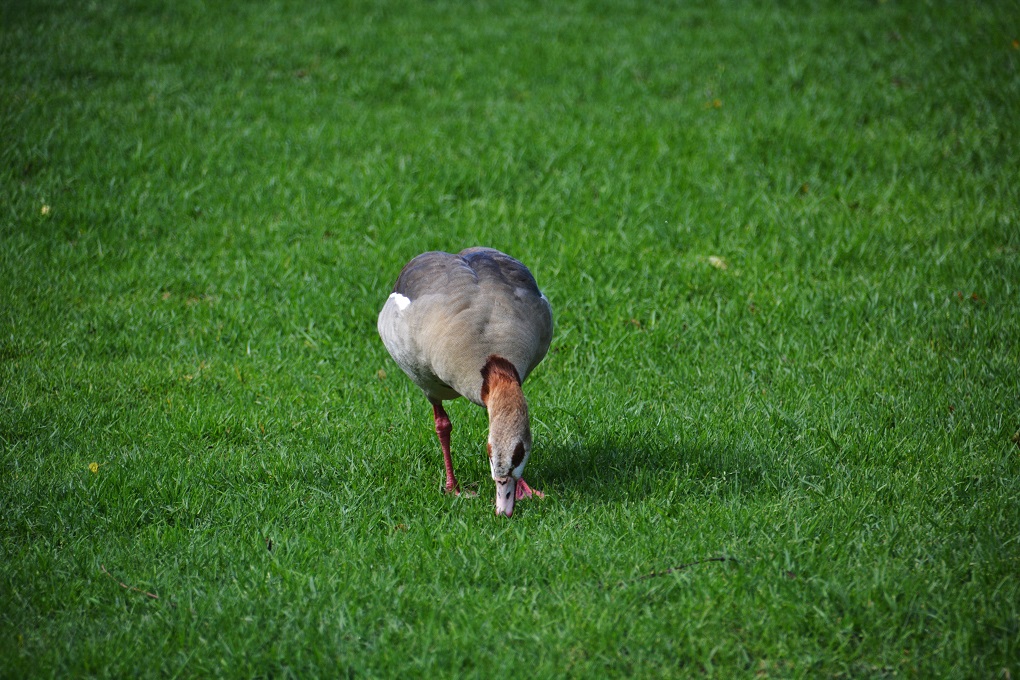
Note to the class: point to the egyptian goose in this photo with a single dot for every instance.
(472, 325)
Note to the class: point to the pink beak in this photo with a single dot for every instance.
(506, 494)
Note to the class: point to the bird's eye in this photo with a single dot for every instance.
(518, 454)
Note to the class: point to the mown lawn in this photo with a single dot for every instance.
(777, 428)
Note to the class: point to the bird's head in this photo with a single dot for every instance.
(509, 442)
(507, 465)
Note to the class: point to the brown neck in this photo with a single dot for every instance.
(503, 396)
(497, 373)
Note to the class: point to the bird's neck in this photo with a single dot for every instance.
(504, 399)
(507, 407)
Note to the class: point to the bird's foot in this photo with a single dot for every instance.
(525, 491)
(455, 489)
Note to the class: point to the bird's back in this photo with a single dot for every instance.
(448, 313)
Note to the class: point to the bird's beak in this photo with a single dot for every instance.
(506, 493)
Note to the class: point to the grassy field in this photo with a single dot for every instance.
(782, 245)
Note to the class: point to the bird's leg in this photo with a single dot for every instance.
(443, 429)
(525, 491)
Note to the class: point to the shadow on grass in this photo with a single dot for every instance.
(616, 468)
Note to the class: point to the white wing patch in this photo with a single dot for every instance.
(401, 301)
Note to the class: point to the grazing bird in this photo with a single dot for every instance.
(472, 325)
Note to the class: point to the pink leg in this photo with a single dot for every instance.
(525, 491)
(443, 429)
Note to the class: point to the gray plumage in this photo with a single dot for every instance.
(449, 313)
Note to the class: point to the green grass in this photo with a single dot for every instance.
(202, 209)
